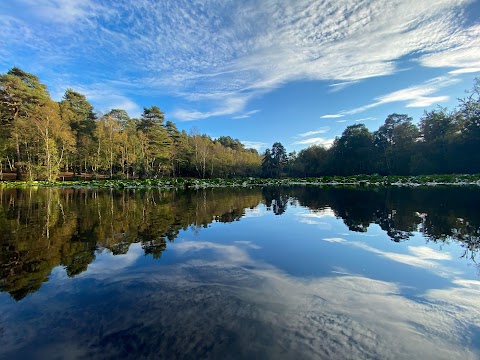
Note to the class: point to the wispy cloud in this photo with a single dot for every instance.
(461, 50)
(240, 49)
(413, 96)
(340, 86)
(257, 145)
(315, 141)
(63, 11)
(246, 115)
(322, 130)
(366, 119)
(105, 97)
(331, 116)
(231, 105)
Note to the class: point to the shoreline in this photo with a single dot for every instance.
(187, 183)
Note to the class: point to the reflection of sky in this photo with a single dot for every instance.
(269, 287)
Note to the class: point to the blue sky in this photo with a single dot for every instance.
(294, 71)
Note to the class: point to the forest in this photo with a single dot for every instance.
(443, 142)
(40, 139)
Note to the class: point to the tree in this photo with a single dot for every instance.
(76, 111)
(468, 127)
(279, 159)
(154, 141)
(395, 141)
(274, 161)
(436, 134)
(353, 152)
(55, 136)
(311, 161)
(108, 138)
(267, 164)
(20, 95)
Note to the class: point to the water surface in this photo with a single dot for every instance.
(293, 272)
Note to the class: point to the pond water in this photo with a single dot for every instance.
(267, 273)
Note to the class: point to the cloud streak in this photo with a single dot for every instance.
(315, 132)
(257, 145)
(315, 141)
(413, 96)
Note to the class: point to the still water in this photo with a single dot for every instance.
(267, 273)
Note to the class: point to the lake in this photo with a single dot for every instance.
(269, 273)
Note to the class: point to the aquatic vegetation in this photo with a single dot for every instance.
(185, 183)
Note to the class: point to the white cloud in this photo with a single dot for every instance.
(231, 105)
(334, 240)
(257, 145)
(246, 115)
(427, 101)
(342, 85)
(322, 130)
(62, 11)
(106, 98)
(315, 141)
(366, 119)
(243, 49)
(413, 96)
(465, 71)
(461, 51)
(331, 116)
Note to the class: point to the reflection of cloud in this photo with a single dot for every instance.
(255, 212)
(425, 252)
(318, 214)
(229, 252)
(236, 305)
(106, 263)
(313, 217)
(249, 244)
(420, 256)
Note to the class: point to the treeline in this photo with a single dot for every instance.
(443, 142)
(39, 138)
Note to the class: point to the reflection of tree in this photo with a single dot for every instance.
(441, 214)
(276, 199)
(41, 229)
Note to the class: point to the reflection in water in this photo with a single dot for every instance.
(214, 299)
(232, 306)
(41, 229)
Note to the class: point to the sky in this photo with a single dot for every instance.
(261, 71)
